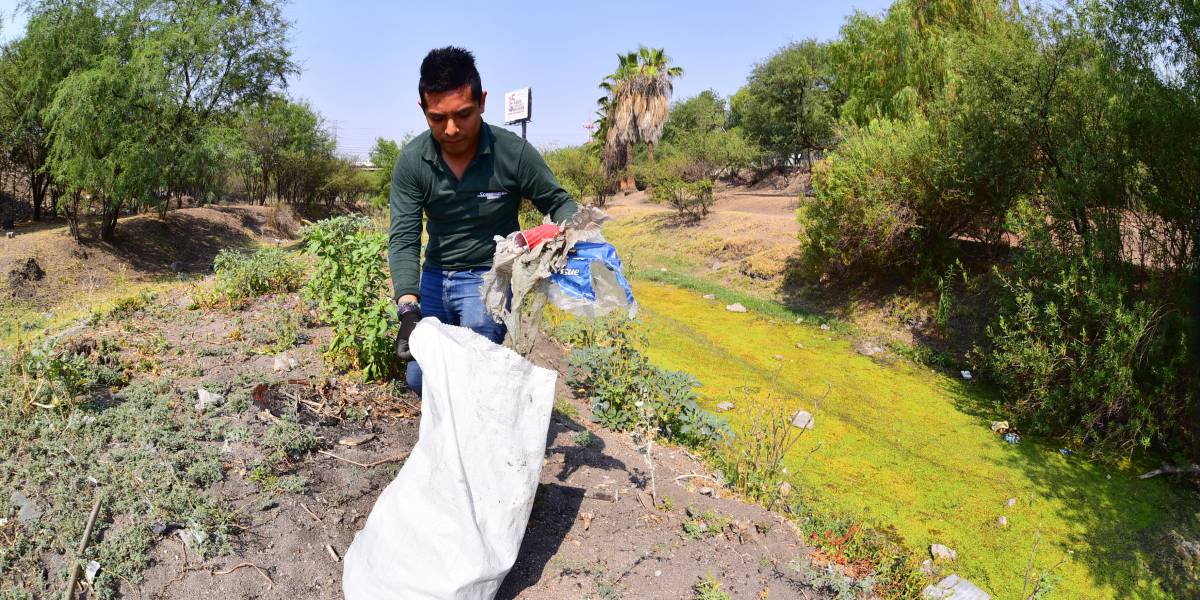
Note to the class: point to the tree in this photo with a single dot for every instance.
(705, 112)
(789, 105)
(638, 95)
(383, 156)
(168, 72)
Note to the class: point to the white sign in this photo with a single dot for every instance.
(518, 105)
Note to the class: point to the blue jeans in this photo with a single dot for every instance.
(453, 297)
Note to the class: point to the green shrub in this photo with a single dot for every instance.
(622, 382)
(1077, 354)
(581, 173)
(350, 287)
(681, 183)
(245, 275)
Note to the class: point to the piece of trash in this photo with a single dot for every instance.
(1065, 451)
(965, 375)
(954, 588)
(736, 307)
(3, 521)
(1010, 502)
(89, 572)
(824, 327)
(281, 364)
(799, 346)
(785, 490)
(778, 357)
(1002, 521)
(706, 491)
(1012, 438)
(586, 517)
(206, 399)
(724, 406)
(1000, 427)
(92, 480)
(799, 319)
(332, 553)
(803, 420)
(356, 440)
(710, 296)
(662, 269)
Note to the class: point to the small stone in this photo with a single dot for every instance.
(206, 399)
(799, 346)
(27, 510)
(658, 573)
(778, 357)
(281, 364)
(710, 296)
(1002, 521)
(803, 420)
(736, 307)
(724, 406)
(927, 567)
(89, 572)
(942, 553)
(954, 587)
(716, 265)
(824, 327)
(1010, 502)
(869, 348)
(966, 375)
(785, 490)
(706, 491)
(292, 363)
(662, 269)
(1000, 427)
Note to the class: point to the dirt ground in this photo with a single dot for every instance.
(594, 532)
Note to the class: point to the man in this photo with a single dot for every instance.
(467, 178)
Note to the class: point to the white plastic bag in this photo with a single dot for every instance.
(450, 525)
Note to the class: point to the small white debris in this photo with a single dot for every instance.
(658, 573)
(89, 573)
(1010, 502)
(736, 307)
(803, 420)
(724, 406)
(710, 296)
(824, 327)
(778, 357)
(785, 490)
(954, 588)
(966, 375)
(292, 363)
(281, 364)
(706, 491)
(799, 346)
(1002, 521)
(206, 399)
(662, 269)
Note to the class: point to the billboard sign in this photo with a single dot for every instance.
(518, 106)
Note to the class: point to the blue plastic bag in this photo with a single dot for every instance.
(592, 283)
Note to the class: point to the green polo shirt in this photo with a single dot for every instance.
(463, 217)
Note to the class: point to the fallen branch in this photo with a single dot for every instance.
(270, 583)
(310, 513)
(87, 533)
(1193, 470)
(690, 475)
(332, 553)
(398, 457)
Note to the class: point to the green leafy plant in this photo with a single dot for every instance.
(244, 275)
(752, 462)
(627, 390)
(349, 286)
(708, 588)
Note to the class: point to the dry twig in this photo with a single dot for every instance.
(398, 457)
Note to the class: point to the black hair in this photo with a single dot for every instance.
(449, 68)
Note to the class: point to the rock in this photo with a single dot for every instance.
(10, 234)
(710, 296)
(89, 572)
(716, 265)
(662, 269)
(706, 491)
(927, 567)
(778, 357)
(27, 510)
(954, 587)
(1000, 426)
(868, 348)
(206, 399)
(942, 553)
(1010, 502)
(724, 406)
(785, 490)
(356, 440)
(799, 346)
(965, 375)
(803, 419)
(824, 327)
(1002, 521)
(736, 307)
(292, 363)
(280, 364)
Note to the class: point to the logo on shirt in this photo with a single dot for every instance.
(492, 195)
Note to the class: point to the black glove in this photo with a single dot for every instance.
(410, 314)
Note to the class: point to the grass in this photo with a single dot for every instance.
(905, 446)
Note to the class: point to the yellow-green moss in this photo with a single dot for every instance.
(912, 448)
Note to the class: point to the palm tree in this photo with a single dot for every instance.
(635, 106)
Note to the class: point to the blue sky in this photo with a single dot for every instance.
(359, 60)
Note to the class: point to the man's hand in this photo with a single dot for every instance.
(410, 314)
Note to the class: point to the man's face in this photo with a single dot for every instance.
(454, 118)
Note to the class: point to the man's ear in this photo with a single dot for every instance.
(482, 101)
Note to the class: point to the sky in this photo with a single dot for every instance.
(359, 60)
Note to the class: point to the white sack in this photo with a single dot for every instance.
(450, 525)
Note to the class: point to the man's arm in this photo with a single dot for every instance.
(404, 234)
(542, 188)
